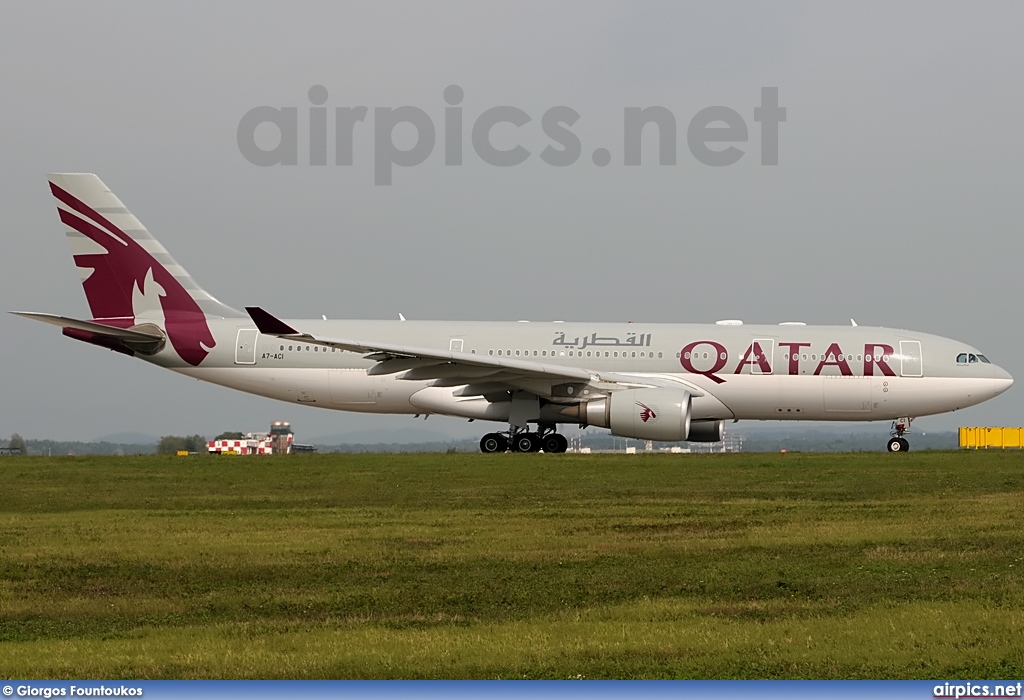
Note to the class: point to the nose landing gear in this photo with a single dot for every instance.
(898, 443)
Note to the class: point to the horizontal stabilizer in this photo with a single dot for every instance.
(146, 339)
(92, 327)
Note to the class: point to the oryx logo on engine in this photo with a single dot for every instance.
(647, 413)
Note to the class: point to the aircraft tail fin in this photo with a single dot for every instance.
(128, 276)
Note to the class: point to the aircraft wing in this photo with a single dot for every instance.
(483, 373)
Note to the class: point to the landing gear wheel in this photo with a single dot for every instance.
(898, 444)
(526, 442)
(554, 443)
(900, 427)
(493, 442)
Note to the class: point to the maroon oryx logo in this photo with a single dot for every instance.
(124, 266)
(647, 413)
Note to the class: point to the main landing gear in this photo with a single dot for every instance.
(524, 441)
(898, 443)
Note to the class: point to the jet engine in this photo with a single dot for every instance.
(706, 431)
(645, 414)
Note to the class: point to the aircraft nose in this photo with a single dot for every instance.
(1003, 380)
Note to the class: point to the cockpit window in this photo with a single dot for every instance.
(968, 357)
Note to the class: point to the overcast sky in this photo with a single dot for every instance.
(897, 198)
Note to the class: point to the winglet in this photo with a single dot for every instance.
(268, 324)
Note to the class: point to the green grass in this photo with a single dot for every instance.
(513, 566)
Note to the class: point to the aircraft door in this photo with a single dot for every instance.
(245, 346)
(455, 345)
(762, 357)
(911, 364)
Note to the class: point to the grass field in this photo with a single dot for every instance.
(513, 566)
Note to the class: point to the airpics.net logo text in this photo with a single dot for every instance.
(714, 135)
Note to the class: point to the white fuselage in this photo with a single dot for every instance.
(785, 372)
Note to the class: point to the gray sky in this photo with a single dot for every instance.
(896, 201)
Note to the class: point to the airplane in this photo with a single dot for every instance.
(650, 381)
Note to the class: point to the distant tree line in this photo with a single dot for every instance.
(17, 445)
(67, 447)
(172, 444)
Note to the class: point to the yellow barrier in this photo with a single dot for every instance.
(986, 438)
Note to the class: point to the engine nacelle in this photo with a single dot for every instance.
(645, 414)
(706, 431)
